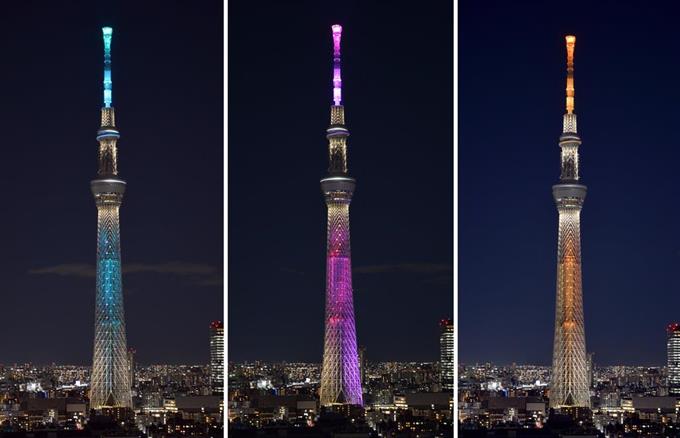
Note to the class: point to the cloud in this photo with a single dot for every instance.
(179, 268)
(410, 268)
(204, 275)
(66, 270)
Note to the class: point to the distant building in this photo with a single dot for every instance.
(362, 365)
(424, 400)
(589, 367)
(514, 409)
(673, 348)
(217, 357)
(196, 406)
(446, 359)
(38, 411)
(131, 363)
(648, 404)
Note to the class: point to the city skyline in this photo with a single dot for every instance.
(630, 246)
(172, 257)
(399, 89)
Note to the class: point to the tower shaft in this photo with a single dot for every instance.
(340, 375)
(569, 387)
(110, 385)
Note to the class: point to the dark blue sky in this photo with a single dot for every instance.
(512, 80)
(397, 87)
(167, 90)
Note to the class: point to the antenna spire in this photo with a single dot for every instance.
(337, 80)
(108, 34)
(571, 42)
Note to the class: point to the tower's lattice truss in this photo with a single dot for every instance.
(340, 375)
(110, 385)
(569, 387)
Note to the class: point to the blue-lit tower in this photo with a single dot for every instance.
(110, 385)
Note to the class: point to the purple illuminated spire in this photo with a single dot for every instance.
(340, 377)
(337, 80)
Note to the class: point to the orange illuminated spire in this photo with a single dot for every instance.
(571, 42)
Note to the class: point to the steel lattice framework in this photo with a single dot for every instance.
(110, 385)
(569, 388)
(340, 376)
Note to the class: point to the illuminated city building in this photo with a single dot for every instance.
(340, 377)
(362, 366)
(447, 363)
(131, 363)
(110, 385)
(217, 357)
(590, 366)
(673, 351)
(569, 388)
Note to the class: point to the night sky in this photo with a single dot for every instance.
(397, 90)
(168, 95)
(512, 62)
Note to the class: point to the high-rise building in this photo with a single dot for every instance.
(217, 357)
(673, 352)
(569, 387)
(446, 359)
(590, 366)
(340, 379)
(362, 365)
(110, 383)
(131, 363)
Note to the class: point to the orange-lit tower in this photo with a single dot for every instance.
(569, 387)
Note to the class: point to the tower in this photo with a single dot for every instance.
(217, 357)
(340, 379)
(110, 385)
(446, 354)
(569, 388)
(673, 352)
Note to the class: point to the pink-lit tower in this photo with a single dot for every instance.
(340, 377)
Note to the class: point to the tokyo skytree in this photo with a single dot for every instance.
(340, 378)
(110, 385)
(569, 388)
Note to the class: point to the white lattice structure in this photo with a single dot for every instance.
(110, 384)
(569, 387)
(340, 374)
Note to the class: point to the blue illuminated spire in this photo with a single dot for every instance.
(110, 385)
(108, 34)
